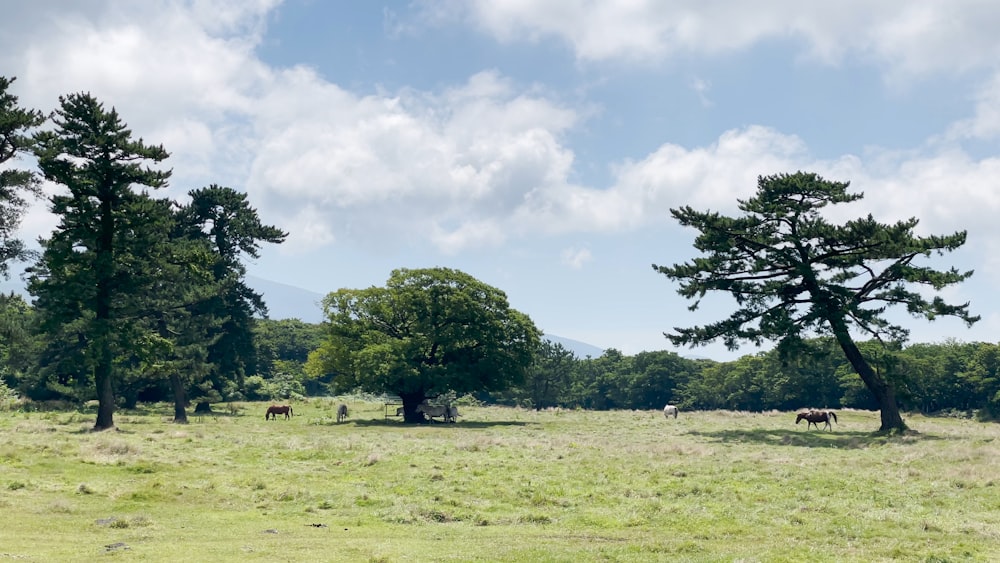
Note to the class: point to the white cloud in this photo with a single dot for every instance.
(485, 160)
(450, 168)
(576, 258)
(985, 121)
(910, 36)
(702, 87)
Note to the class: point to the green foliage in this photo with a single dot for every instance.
(547, 381)
(425, 333)
(93, 271)
(791, 271)
(223, 220)
(794, 274)
(16, 124)
(283, 346)
(8, 396)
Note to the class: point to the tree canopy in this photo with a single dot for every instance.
(427, 332)
(91, 272)
(15, 139)
(794, 273)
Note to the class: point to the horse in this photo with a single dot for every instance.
(670, 410)
(452, 415)
(432, 411)
(274, 410)
(814, 417)
(341, 413)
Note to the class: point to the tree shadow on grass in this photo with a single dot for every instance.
(812, 439)
(375, 422)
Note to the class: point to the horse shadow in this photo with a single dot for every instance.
(849, 440)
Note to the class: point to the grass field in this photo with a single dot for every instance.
(500, 485)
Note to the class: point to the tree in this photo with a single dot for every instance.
(427, 332)
(15, 124)
(791, 272)
(656, 377)
(17, 348)
(86, 278)
(283, 346)
(224, 219)
(548, 379)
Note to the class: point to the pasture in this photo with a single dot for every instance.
(500, 485)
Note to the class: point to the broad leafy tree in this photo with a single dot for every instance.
(16, 124)
(792, 273)
(87, 279)
(427, 332)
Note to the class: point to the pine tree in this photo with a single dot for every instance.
(88, 276)
(15, 126)
(792, 272)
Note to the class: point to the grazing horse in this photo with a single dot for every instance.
(452, 415)
(815, 417)
(670, 410)
(341, 413)
(274, 410)
(432, 411)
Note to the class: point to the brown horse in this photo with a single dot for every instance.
(274, 410)
(341, 413)
(814, 417)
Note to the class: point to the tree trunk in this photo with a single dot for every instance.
(104, 267)
(410, 403)
(105, 393)
(102, 373)
(180, 414)
(885, 394)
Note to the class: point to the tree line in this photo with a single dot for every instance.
(960, 378)
(952, 377)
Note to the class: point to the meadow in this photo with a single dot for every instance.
(502, 484)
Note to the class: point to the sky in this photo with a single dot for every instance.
(539, 146)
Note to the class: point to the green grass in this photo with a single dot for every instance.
(500, 485)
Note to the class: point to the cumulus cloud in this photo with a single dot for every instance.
(985, 121)
(482, 161)
(450, 167)
(910, 36)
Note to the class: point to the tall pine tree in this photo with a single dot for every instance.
(15, 126)
(86, 277)
(224, 219)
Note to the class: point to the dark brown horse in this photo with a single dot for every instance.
(814, 417)
(341, 413)
(274, 410)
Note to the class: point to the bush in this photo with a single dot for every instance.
(8, 397)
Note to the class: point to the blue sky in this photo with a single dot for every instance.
(540, 145)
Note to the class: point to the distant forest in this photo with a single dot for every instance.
(952, 378)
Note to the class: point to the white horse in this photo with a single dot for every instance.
(670, 410)
(433, 411)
